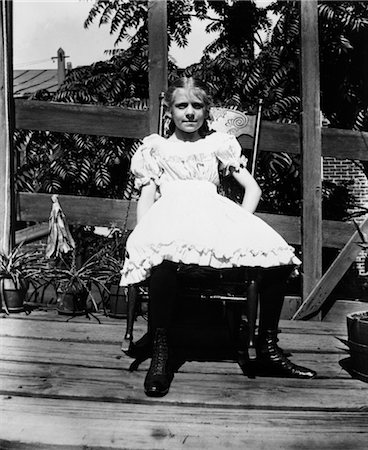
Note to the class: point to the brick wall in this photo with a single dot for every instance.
(342, 170)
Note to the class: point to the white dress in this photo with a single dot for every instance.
(190, 222)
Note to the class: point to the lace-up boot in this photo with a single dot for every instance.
(273, 359)
(159, 375)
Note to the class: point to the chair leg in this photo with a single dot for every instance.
(132, 306)
(252, 307)
(243, 357)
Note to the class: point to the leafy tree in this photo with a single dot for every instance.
(73, 163)
(274, 73)
(50, 160)
(235, 74)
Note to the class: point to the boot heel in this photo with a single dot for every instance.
(273, 361)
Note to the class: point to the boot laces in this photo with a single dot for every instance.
(160, 355)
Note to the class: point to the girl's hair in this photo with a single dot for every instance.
(199, 89)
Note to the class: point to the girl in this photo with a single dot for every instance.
(183, 220)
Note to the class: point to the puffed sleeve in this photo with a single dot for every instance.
(144, 164)
(228, 153)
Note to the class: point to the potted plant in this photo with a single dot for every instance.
(74, 281)
(17, 268)
(114, 296)
(357, 324)
(116, 300)
(75, 272)
(357, 327)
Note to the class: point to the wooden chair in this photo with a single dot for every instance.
(237, 287)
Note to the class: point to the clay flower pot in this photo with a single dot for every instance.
(14, 296)
(72, 302)
(117, 302)
(18, 267)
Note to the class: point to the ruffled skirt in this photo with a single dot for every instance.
(192, 224)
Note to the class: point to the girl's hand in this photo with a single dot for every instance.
(252, 193)
(146, 199)
(243, 161)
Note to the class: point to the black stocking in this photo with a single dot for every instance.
(162, 293)
(272, 359)
(272, 292)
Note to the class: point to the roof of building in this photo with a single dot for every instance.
(27, 82)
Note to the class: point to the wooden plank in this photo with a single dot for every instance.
(120, 122)
(277, 137)
(322, 290)
(341, 308)
(68, 338)
(310, 148)
(64, 343)
(46, 313)
(84, 119)
(110, 331)
(95, 356)
(323, 354)
(216, 389)
(63, 332)
(337, 143)
(111, 212)
(312, 327)
(41, 423)
(158, 57)
(287, 226)
(78, 210)
(109, 356)
(32, 233)
(335, 234)
(6, 126)
(335, 328)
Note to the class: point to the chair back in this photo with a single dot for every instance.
(238, 123)
(226, 120)
(232, 121)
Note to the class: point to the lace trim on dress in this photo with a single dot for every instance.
(191, 158)
(145, 163)
(136, 272)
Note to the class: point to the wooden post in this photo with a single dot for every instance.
(315, 300)
(310, 147)
(157, 57)
(6, 121)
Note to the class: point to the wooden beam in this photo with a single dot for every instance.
(311, 148)
(120, 122)
(343, 144)
(94, 211)
(6, 126)
(335, 234)
(314, 301)
(158, 57)
(277, 137)
(84, 119)
(32, 233)
(78, 210)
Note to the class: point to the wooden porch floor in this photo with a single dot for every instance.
(67, 385)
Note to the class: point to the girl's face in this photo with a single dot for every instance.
(187, 111)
